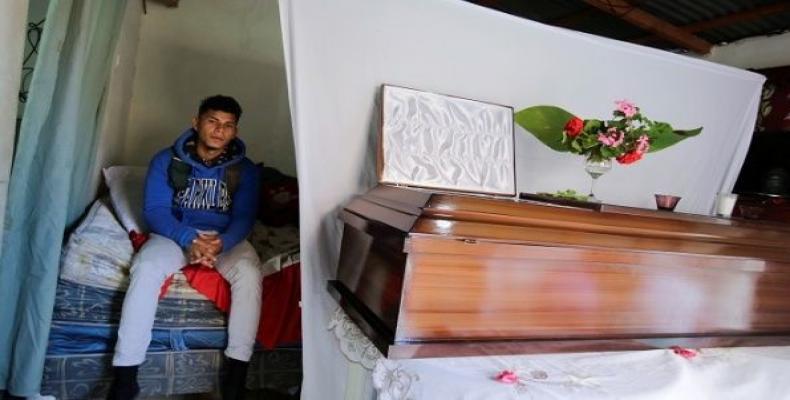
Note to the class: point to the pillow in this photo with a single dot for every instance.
(126, 185)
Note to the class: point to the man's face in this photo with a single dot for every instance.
(215, 128)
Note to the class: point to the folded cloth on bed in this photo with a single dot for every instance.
(98, 254)
(280, 323)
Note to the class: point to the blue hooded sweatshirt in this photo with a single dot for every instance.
(205, 203)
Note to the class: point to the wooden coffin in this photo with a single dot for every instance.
(426, 274)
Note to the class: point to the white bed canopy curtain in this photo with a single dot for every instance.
(49, 185)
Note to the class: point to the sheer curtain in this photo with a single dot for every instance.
(48, 189)
(338, 54)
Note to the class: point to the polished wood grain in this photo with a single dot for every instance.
(583, 293)
(497, 348)
(431, 272)
(649, 224)
(558, 236)
(372, 268)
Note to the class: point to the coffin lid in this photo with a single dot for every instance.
(443, 142)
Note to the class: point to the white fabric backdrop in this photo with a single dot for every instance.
(339, 52)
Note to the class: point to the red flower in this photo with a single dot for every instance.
(507, 376)
(684, 352)
(574, 126)
(630, 157)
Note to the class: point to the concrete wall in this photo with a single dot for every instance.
(37, 11)
(13, 15)
(117, 100)
(206, 47)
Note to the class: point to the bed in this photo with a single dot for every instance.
(185, 355)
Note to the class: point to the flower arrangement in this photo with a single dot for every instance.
(627, 137)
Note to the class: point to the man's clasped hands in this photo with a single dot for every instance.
(205, 248)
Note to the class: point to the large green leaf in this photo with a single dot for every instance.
(546, 123)
(669, 138)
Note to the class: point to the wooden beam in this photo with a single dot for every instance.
(729, 19)
(574, 19)
(495, 4)
(649, 22)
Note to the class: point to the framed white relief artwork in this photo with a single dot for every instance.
(444, 142)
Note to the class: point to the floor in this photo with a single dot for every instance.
(263, 394)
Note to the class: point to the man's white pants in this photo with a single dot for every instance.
(159, 258)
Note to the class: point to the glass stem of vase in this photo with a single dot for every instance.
(592, 187)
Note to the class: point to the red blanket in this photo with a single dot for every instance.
(280, 313)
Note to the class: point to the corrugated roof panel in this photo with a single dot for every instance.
(779, 21)
(586, 18)
(542, 10)
(679, 12)
(609, 27)
(665, 11)
(768, 25)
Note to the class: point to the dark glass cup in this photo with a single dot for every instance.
(666, 202)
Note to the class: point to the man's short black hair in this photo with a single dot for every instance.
(220, 103)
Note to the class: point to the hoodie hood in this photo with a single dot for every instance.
(235, 151)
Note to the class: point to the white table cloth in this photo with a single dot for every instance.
(716, 373)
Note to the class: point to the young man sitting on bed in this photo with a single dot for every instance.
(200, 204)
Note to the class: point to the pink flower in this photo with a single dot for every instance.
(507, 376)
(642, 144)
(627, 108)
(611, 138)
(684, 352)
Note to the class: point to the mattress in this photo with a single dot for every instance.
(84, 376)
(75, 302)
(87, 338)
(189, 332)
(94, 276)
(85, 320)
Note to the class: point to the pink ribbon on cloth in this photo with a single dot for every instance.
(684, 352)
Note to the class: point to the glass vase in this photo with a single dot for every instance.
(596, 168)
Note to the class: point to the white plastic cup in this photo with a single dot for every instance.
(725, 203)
